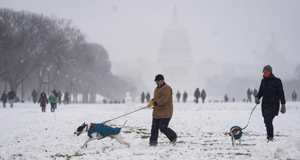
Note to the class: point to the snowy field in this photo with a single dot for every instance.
(27, 133)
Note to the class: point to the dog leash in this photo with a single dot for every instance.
(250, 116)
(124, 115)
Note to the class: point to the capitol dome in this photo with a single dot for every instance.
(175, 47)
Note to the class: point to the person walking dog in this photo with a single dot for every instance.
(162, 111)
(271, 90)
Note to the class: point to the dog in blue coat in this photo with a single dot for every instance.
(98, 131)
(236, 133)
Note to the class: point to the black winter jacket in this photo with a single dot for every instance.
(271, 90)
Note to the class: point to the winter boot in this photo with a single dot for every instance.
(270, 139)
(174, 141)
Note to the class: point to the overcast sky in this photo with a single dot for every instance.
(224, 31)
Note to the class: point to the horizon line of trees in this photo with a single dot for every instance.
(47, 51)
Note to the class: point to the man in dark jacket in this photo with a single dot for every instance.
(271, 90)
(11, 98)
(162, 111)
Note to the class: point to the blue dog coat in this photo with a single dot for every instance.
(103, 130)
(236, 137)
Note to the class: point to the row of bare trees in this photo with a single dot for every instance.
(49, 52)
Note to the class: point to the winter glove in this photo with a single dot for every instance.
(150, 104)
(155, 104)
(283, 109)
(257, 101)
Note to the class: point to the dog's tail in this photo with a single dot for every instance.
(124, 124)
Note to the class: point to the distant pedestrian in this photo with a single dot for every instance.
(203, 95)
(248, 95)
(11, 98)
(66, 98)
(197, 95)
(142, 97)
(254, 92)
(34, 96)
(233, 100)
(59, 97)
(43, 101)
(4, 99)
(56, 96)
(184, 98)
(178, 95)
(294, 96)
(226, 98)
(271, 90)
(148, 97)
(52, 99)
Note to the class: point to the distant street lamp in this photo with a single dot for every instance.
(48, 69)
(67, 76)
(22, 61)
(58, 84)
(74, 98)
(5, 59)
(80, 97)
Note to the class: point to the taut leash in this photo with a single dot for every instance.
(124, 115)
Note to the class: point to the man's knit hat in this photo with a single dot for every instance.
(268, 68)
(159, 77)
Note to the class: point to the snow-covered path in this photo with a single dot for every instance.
(27, 133)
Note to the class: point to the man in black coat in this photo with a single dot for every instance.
(271, 90)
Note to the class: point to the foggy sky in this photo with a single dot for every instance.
(224, 31)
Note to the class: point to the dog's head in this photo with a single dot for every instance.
(235, 131)
(81, 129)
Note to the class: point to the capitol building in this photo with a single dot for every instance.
(175, 62)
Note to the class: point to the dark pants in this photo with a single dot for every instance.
(44, 109)
(268, 119)
(162, 125)
(52, 107)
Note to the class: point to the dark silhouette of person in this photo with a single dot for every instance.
(143, 97)
(34, 96)
(148, 97)
(178, 95)
(184, 98)
(197, 95)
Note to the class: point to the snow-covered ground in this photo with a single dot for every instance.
(27, 133)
